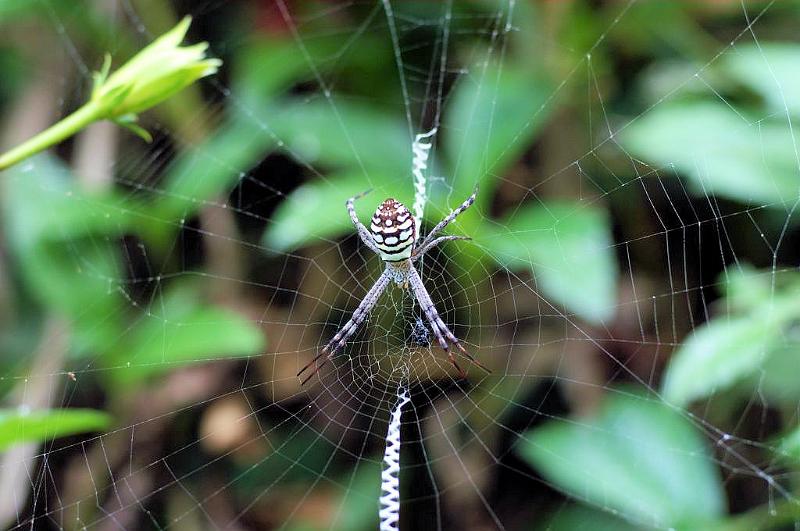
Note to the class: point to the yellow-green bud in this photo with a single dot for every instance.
(151, 76)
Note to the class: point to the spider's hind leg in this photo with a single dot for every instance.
(443, 330)
(430, 313)
(440, 330)
(469, 356)
(453, 361)
(341, 337)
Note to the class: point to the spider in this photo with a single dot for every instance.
(393, 236)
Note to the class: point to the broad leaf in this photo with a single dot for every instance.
(180, 330)
(770, 69)
(494, 114)
(356, 508)
(723, 153)
(45, 425)
(753, 341)
(569, 248)
(637, 457)
(267, 68)
(716, 355)
(776, 378)
(316, 211)
(209, 171)
(64, 240)
(80, 280)
(790, 445)
(583, 518)
(343, 134)
(746, 287)
(46, 204)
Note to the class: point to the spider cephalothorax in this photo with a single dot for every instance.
(393, 236)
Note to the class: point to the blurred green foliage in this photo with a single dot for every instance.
(757, 331)
(62, 238)
(44, 425)
(642, 459)
(637, 457)
(743, 151)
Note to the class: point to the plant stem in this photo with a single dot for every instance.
(67, 127)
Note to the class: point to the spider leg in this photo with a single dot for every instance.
(341, 337)
(419, 251)
(440, 330)
(431, 314)
(360, 228)
(446, 221)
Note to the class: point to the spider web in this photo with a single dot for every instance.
(234, 441)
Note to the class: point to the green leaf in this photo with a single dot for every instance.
(292, 226)
(38, 426)
(265, 68)
(722, 152)
(716, 355)
(46, 204)
(9, 8)
(64, 243)
(770, 70)
(179, 330)
(128, 121)
(753, 346)
(568, 246)
(80, 280)
(493, 116)
(344, 134)
(637, 457)
(790, 445)
(583, 518)
(310, 131)
(210, 170)
(357, 506)
(776, 378)
(746, 287)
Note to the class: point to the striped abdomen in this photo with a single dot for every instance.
(394, 230)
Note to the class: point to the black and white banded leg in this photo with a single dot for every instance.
(362, 230)
(446, 221)
(417, 254)
(440, 330)
(341, 337)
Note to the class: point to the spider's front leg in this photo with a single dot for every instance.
(446, 221)
(341, 337)
(360, 228)
(419, 251)
(440, 330)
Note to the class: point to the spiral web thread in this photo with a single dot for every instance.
(390, 482)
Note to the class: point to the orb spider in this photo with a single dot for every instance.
(393, 236)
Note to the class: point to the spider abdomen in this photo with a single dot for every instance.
(393, 230)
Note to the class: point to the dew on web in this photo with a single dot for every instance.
(630, 279)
